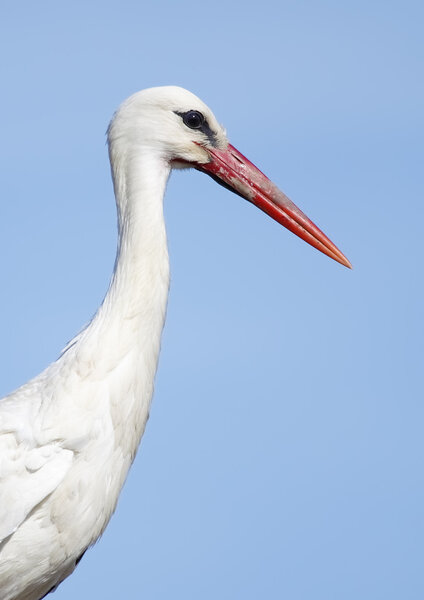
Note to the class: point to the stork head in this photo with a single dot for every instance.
(171, 122)
(176, 126)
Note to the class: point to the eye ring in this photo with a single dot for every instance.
(193, 119)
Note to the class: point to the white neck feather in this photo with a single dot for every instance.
(120, 347)
(133, 311)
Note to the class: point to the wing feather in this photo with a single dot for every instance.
(28, 472)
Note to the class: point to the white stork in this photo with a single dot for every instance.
(68, 436)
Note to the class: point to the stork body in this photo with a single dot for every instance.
(68, 437)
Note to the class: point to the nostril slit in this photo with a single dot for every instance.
(237, 158)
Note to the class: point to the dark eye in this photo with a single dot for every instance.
(193, 119)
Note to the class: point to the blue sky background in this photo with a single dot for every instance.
(284, 454)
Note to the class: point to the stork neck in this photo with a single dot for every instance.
(133, 311)
(142, 257)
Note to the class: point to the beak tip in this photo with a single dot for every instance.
(341, 259)
(345, 262)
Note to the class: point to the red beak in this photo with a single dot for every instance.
(234, 171)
